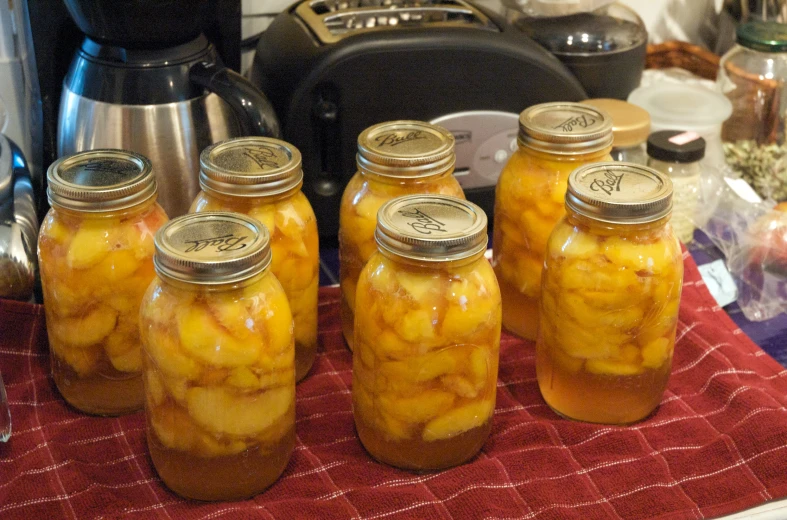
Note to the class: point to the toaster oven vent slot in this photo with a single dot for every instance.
(332, 20)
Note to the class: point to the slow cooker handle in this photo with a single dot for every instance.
(252, 108)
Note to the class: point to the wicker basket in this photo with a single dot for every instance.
(684, 55)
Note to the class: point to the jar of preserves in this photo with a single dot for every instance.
(611, 292)
(95, 252)
(554, 139)
(394, 159)
(262, 177)
(219, 359)
(427, 335)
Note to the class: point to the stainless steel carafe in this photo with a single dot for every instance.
(167, 104)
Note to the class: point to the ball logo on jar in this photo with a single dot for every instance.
(222, 244)
(609, 184)
(263, 156)
(422, 222)
(395, 139)
(572, 122)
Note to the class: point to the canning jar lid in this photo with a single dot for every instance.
(630, 123)
(212, 248)
(676, 146)
(250, 167)
(565, 128)
(763, 36)
(619, 193)
(406, 149)
(431, 228)
(100, 180)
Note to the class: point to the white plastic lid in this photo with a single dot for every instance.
(674, 106)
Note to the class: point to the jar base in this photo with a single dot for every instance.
(230, 477)
(423, 456)
(304, 360)
(99, 394)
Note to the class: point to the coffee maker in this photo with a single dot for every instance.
(146, 78)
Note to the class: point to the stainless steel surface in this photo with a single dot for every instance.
(18, 228)
(5, 413)
(170, 135)
(332, 20)
(485, 140)
(431, 228)
(619, 193)
(212, 248)
(251, 167)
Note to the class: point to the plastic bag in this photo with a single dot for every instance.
(752, 235)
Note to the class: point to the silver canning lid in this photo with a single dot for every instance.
(100, 180)
(565, 128)
(212, 248)
(619, 193)
(409, 149)
(250, 167)
(431, 228)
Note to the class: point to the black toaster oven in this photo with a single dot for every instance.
(331, 68)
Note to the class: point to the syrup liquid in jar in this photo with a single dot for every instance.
(95, 253)
(262, 177)
(394, 159)
(554, 139)
(611, 293)
(218, 358)
(427, 335)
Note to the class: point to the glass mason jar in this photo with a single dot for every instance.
(751, 75)
(219, 359)
(678, 154)
(95, 252)
(554, 139)
(427, 335)
(611, 291)
(630, 129)
(262, 177)
(394, 159)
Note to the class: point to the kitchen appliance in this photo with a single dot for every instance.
(332, 68)
(18, 223)
(604, 48)
(146, 79)
(19, 92)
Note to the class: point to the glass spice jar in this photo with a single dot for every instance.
(427, 335)
(95, 252)
(262, 177)
(554, 139)
(219, 359)
(678, 154)
(394, 159)
(611, 292)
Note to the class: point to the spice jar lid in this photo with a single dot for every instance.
(676, 146)
(212, 248)
(406, 149)
(100, 180)
(630, 123)
(565, 128)
(763, 36)
(250, 167)
(431, 228)
(619, 193)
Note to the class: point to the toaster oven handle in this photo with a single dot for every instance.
(252, 108)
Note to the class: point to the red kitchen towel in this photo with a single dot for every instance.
(717, 444)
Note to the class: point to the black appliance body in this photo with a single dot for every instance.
(332, 68)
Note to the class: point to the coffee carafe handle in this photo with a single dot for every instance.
(253, 109)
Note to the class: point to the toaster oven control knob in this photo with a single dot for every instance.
(501, 156)
(326, 187)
